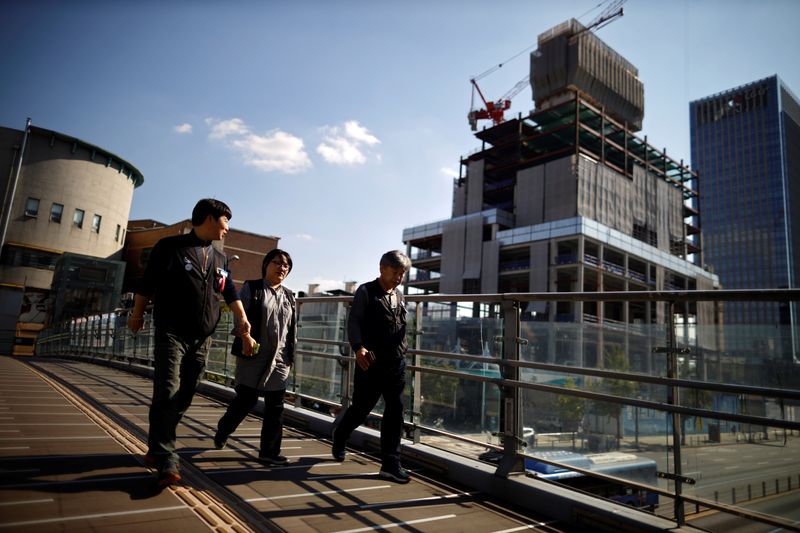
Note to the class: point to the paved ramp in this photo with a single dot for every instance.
(72, 435)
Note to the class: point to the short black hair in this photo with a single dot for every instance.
(272, 254)
(396, 259)
(209, 206)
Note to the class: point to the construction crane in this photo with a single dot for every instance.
(495, 110)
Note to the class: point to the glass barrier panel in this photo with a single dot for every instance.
(220, 363)
(755, 466)
(321, 332)
(464, 404)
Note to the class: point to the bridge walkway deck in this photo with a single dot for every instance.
(72, 435)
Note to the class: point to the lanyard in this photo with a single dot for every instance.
(204, 263)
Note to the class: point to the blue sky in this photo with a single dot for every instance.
(335, 124)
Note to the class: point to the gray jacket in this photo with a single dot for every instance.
(268, 370)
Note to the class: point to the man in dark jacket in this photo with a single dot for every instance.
(184, 277)
(376, 330)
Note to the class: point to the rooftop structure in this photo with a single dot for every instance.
(570, 57)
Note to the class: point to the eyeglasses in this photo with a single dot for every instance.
(281, 264)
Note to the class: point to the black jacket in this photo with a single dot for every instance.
(375, 325)
(185, 277)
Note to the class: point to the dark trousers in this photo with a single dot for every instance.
(368, 387)
(272, 426)
(178, 368)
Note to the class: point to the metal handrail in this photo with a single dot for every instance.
(102, 340)
(790, 394)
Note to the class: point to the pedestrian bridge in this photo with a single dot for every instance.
(73, 424)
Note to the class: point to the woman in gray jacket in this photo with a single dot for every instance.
(267, 353)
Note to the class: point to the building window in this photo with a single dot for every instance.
(96, 223)
(55, 213)
(25, 257)
(144, 257)
(116, 235)
(32, 207)
(77, 218)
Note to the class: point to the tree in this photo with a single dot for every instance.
(615, 359)
(571, 409)
(696, 398)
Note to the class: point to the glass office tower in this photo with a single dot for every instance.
(746, 150)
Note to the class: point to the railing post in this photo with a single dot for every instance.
(347, 369)
(511, 406)
(416, 402)
(673, 398)
(151, 341)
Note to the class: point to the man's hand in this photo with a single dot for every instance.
(136, 316)
(135, 323)
(240, 318)
(364, 358)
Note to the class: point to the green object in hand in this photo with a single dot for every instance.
(256, 348)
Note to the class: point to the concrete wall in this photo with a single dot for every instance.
(453, 235)
(475, 187)
(546, 192)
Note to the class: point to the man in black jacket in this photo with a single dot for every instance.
(376, 330)
(184, 277)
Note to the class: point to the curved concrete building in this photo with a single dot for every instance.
(61, 195)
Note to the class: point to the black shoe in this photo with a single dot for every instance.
(397, 474)
(219, 441)
(169, 474)
(337, 450)
(278, 460)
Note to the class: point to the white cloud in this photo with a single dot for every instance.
(273, 151)
(340, 151)
(183, 128)
(359, 133)
(345, 145)
(226, 128)
(304, 237)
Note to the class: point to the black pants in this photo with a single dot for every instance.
(368, 387)
(178, 368)
(272, 427)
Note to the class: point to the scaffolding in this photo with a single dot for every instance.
(578, 127)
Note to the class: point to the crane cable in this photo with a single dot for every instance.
(493, 69)
(500, 65)
(520, 84)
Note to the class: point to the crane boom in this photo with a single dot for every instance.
(495, 110)
(492, 110)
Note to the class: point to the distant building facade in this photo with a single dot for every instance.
(323, 320)
(569, 199)
(746, 147)
(61, 195)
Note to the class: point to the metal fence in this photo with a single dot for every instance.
(493, 377)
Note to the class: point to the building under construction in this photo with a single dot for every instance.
(569, 198)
